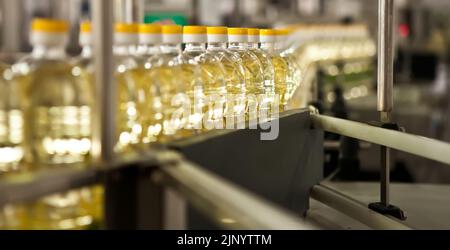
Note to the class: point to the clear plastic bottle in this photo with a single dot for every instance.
(254, 70)
(234, 71)
(83, 63)
(293, 73)
(268, 39)
(268, 68)
(149, 104)
(128, 128)
(205, 78)
(91, 198)
(11, 122)
(168, 83)
(11, 147)
(58, 108)
(57, 120)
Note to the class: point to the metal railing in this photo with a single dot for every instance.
(386, 138)
(225, 204)
(418, 145)
(354, 209)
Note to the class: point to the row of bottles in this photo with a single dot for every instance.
(47, 110)
(173, 82)
(167, 93)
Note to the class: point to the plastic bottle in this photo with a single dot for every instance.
(268, 68)
(168, 81)
(129, 128)
(293, 71)
(268, 39)
(149, 104)
(234, 71)
(57, 120)
(11, 122)
(206, 80)
(254, 71)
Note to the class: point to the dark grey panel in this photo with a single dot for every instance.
(282, 170)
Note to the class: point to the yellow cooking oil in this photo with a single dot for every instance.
(293, 73)
(268, 39)
(11, 147)
(265, 58)
(91, 198)
(168, 119)
(234, 71)
(11, 122)
(129, 129)
(149, 100)
(254, 71)
(205, 79)
(57, 124)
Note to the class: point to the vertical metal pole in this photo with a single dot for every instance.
(385, 83)
(104, 112)
(12, 20)
(129, 11)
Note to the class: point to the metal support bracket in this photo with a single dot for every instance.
(387, 125)
(391, 210)
(384, 207)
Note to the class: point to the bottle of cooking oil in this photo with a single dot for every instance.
(234, 71)
(129, 129)
(58, 127)
(11, 138)
(83, 63)
(293, 70)
(169, 83)
(91, 199)
(268, 68)
(57, 120)
(268, 39)
(149, 104)
(206, 78)
(11, 122)
(254, 71)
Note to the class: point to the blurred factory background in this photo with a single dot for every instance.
(421, 63)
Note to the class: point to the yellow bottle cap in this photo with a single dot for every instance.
(172, 29)
(49, 25)
(282, 32)
(150, 28)
(85, 27)
(194, 30)
(237, 31)
(253, 31)
(267, 32)
(126, 28)
(220, 30)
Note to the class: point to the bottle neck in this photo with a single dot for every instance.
(86, 51)
(148, 49)
(124, 50)
(253, 45)
(268, 47)
(49, 52)
(237, 45)
(171, 48)
(217, 46)
(280, 45)
(195, 47)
